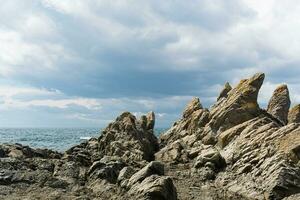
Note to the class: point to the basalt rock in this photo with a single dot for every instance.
(279, 103)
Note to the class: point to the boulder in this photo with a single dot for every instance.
(279, 103)
(153, 167)
(125, 175)
(210, 158)
(108, 171)
(154, 188)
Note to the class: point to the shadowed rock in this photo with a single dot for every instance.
(150, 120)
(279, 103)
(294, 114)
(225, 90)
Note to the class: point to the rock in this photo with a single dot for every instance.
(279, 103)
(193, 106)
(240, 105)
(154, 188)
(211, 156)
(152, 168)
(194, 118)
(294, 114)
(108, 171)
(124, 175)
(293, 197)
(234, 151)
(225, 90)
(150, 121)
(2, 153)
(127, 139)
(100, 168)
(171, 153)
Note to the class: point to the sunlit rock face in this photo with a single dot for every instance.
(239, 151)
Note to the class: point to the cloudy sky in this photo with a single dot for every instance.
(80, 63)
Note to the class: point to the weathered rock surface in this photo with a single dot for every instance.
(240, 152)
(224, 92)
(294, 114)
(101, 168)
(235, 150)
(279, 103)
(240, 105)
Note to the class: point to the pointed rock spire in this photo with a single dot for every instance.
(279, 103)
(294, 114)
(192, 106)
(239, 106)
(150, 120)
(225, 90)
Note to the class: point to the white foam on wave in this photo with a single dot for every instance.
(85, 138)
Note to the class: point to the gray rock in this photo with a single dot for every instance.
(211, 156)
(240, 105)
(225, 91)
(125, 175)
(152, 168)
(279, 103)
(154, 188)
(294, 114)
(124, 138)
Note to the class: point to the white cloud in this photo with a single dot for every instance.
(77, 40)
(9, 91)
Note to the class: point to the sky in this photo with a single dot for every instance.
(80, 63)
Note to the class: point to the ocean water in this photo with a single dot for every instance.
(59, 139)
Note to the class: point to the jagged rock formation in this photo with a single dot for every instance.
(234, 150)
(240, 151)
(101, 168)
(279, 104)
(224, 92)
(240, 105)
(294, 114)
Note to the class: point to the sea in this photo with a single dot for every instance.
(59, 139)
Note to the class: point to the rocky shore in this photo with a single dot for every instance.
(234, 150)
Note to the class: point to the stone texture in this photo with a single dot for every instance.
(152, 168)
(101, 168)
(154, 188)
(241, 152)
(279, 103)
(225, 91)
(235, 150)
(127, 139)
(240, 105)
(294, 114)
